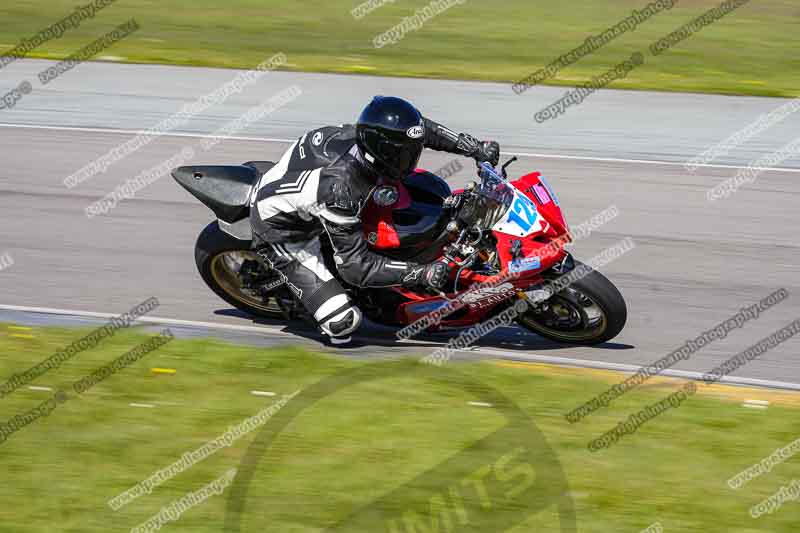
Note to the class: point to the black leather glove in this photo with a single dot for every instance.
(488, 151)
(479, 150)
(432, 276)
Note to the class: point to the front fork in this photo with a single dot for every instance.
(538, 294)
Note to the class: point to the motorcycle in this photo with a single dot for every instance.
(505, 240)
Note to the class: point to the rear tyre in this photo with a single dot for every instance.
(220, 258)
(589, 311)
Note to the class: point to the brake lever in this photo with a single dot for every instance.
(503, 168)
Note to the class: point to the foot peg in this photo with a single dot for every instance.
(338, 341)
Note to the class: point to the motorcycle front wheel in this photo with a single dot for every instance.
(589, 311)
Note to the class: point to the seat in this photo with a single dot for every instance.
(223, 189)
(261, 166)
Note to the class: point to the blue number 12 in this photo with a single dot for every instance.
(519, 207)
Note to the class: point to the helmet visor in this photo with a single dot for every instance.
(395, 158)
(403, 158)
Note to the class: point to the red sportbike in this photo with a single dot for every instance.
(503, 239)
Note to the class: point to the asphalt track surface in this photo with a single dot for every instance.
(695, 263)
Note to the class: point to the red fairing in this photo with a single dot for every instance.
(540, 250)
(546, 244)
(532, 187)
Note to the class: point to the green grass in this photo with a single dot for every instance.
(751, 51)
(366, 439)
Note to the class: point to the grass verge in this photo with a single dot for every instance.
(750, 51)
(356, 443)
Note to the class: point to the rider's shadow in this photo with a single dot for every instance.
(511, 338)
(377, 335)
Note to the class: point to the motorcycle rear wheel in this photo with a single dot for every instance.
(589, 311)
(218, 257)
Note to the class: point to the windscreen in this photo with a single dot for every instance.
(495, 196)
(491, 200)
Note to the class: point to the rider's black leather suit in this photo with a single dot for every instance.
(317, 190)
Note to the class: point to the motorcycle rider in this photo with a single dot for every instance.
(318, 189)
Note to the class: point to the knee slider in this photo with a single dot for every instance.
(345, 323)
(337, 317)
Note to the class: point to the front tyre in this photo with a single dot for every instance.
(232, 271)
(589, 311)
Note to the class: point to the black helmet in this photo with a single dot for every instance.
(390, 134)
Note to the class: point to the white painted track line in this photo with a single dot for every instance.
(632, 369)
(142, 132)
(272, 139)
(148, 319)
(757, 402)
(502, 354)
